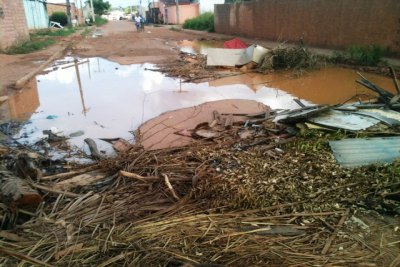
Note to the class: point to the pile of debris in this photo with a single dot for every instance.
(237, 58)
(254, 189)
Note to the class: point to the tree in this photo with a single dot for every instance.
(100, 7)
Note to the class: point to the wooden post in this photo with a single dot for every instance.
(177, 11)
(69, 12)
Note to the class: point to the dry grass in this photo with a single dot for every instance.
(238, 205)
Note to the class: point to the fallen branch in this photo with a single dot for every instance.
(139, 177)
(55, 191)
(167, 182)
(69, 174)
(24, 257)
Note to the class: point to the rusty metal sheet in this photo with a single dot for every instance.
(365, 151)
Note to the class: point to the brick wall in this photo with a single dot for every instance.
(13, 25)
(51, 8)
(323, 23)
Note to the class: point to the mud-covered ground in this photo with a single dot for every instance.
(119, 42)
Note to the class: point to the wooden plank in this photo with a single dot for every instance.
(80, 180)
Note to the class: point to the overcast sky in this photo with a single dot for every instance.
(114, 3)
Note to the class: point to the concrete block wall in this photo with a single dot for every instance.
(13, 25)
(322, 23)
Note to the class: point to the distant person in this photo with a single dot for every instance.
(142, 21)
(138, 22)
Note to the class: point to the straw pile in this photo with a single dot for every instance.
(293, 58)
(224, 202)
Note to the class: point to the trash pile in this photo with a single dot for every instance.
(257, 189)
(236, 58)
(252, 192)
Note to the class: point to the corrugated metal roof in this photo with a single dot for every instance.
(365, 151)
(344, 120)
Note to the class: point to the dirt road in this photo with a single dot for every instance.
(120, 43)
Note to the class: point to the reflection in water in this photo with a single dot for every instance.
(21, 104)
(123, 97)
(78, 77)
(195, 47)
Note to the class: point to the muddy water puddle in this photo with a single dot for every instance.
(199, 47)
(97, 98)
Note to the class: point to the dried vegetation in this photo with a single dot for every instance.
(230, 201)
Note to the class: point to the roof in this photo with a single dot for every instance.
(359, 152)
(181, 2)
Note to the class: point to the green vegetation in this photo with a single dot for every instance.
(175, 29)
(204, 22)
(49, 32)
(38, 40)
(29, 46)
(60, 17)
(100, 21)
(85, 32)
(360, 55)
(101, 7)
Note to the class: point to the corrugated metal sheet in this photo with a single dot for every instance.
(359, 152)
(389, 117)
(36, 14)
(344, 120)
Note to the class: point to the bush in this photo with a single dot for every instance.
(60, 17)
(29, 46)
(100, 21)
(56, 32)
(204, 22)
(360, 55)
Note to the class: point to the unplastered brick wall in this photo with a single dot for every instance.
(13, 25)
(51, 8)
(321, 23)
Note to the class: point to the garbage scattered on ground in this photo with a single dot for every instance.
(235, 57)
(231, 185)
(235, 44)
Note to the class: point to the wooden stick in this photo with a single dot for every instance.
(24, 257)
(54, 191)
(333, 236)
(65, 175)
(21, 82)
(139, 177)
(170, 186)
(396, 83)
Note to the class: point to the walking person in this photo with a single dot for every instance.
(138, 23)
(141, 23)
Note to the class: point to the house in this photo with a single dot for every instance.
(36, 14)
(13, 24)
(187, 9)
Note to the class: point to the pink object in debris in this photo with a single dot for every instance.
(235, 44)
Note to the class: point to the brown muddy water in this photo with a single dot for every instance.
(199, 47)
(107, 100)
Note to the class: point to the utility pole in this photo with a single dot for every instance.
(81, 17)
(93, 17)
(177, 11)
(69, 12)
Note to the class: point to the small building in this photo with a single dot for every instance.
(13, 24)
(188, 9)
(36, 14)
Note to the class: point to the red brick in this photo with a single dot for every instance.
(13, 25)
